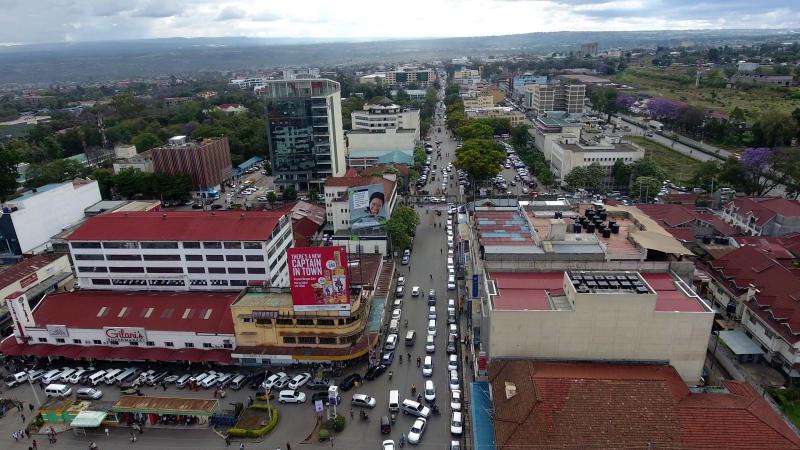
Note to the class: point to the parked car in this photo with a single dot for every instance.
(291, 396)
(325, 398)
(456, 425)
(374, 372)
(88, 393)
(455, 400)
(299, 380)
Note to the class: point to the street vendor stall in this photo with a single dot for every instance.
(164, 411)
(87, 419)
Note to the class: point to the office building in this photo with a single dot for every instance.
(207, 163)
(569, 98)
(182, 250)
(467, 78)
(500, 112)
(404, 76)
(479, 100)
(304, 131)
(376, 118)
(375, 79)
(248, 83)
(551, 127)
(570, 153)
(301, 73)
(36, 277)
(29, 221)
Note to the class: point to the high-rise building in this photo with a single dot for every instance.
(403, 76)
(207, 163)
(304, 131)
(540, 98)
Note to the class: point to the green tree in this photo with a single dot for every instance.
(774, 129)
(519, 137)
(272, 198)
(647, 168)
(604, 99)
(646, 187)
(313, 196)
(56, 171)
(127, 106)
(145, 141)
(705, 173)
(480, 158)
(289, 193)
(8, 172)
(474, 130)
(401, 227)
(455, 119)
(577, 178)
(621, 173)
(731, 174)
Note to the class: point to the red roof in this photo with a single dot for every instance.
(780, 247)
(619, 406)
(764, 209)
(683, 216)
(199, 312)
(179, 226)
(13, 273)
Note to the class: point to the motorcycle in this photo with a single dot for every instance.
(364, 417)
(390, 374)
(435, 409)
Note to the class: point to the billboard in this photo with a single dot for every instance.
(318, 277)
(367, 206)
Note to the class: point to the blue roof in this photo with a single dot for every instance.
(248, 164)
(481, 411)
(397, 158)
(39, 190)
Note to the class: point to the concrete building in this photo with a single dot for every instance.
(587, 315)
(416, 95)
(570, 153)
(304, 131)
(517, 85)
(569, 98)
(206, 162)
(375, 79)
(300, 73)
(337, 209)
(771, 216)
(552, 127)
(379, 143)
(248, 83)
(401, 77)
(124, 326)
(142, 162)
(501, 112)
(588, 49)
(29, 221)
(376, 118)
(182, 250)
(36, 277)
(478, 100)
(467, 78)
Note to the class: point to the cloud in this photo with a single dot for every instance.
(159, 9)
(265, 17)
(112, 7)
(230, 13)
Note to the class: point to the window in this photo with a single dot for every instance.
(327, 340)
(232, 245)
(60, 340)
(206, 345)
(124, 257)
(237, 270)
(96, 269)
(42, 339)
(150, 344)
(214, 258)
(306, 340)
(126, 269)
(254, 257)
(169, 344)
(325, 322)
(89, 257)
(113, 342)
(196, 269)
(133, 344)
(188, 345)
(306, 322)
(286, 340)
(85, 245)
(252, 245)
(165, 270)
(247, 319)
(76, 341)
(256, 270)
(284, 321)
(227, 345)
(162, 257)
(191, 245)
(234, 258)
(120, 245)
(216, 270)
(751, 319)
(212, 245)
(96, 341)
(159, 245)
(238, 283)
(194, 257)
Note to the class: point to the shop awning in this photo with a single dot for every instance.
(88, 419)
(166, 405)
(739, 343)
(659, 242)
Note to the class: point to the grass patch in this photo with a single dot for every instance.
(678, 166)
(255, 422)
(789, 401)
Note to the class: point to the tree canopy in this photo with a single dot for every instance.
(401, 227)
(480, 158)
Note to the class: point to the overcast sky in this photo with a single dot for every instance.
(28, 21)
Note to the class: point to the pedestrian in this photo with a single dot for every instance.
(30, 406)
(351, 413)
(107, 433)
(241, 446)
(227, 440)
(34, 444)
(15, 436)
(27, 434)
(23, 417)
(288, 446)
(164, 386)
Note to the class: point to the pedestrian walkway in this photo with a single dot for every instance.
(385, 279)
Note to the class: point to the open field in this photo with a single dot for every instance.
(679, 167)
(678, 84)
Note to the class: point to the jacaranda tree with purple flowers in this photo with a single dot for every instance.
(663, 108)
(625, 101)
(762, 168)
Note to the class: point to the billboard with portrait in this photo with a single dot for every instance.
(367, 206)
(318, 277)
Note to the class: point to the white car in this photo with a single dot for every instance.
(455, 400)
(452, 363)
(397, 313)
(299, 380)
(456, 426)
(270, 382)
(451, 284)
(363, 400)
(415, 291)
(430, 392)
(391, 342)
(415, 433)
(427, 367)
(453, 380)
(291, 396)
(388, 444)
(401, 281)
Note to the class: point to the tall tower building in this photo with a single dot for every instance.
(304, 131)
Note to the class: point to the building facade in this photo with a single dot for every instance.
(304, 131)
(402, 77)
(550, 128)
(337, 207)
(478, 101)
(29, 221)
(386, 116)
(589, 49)
(36, 277)
(207, 163)
(500, 112)
(772, 216)
(143, 162)
(467, 78)
(179, 251)
(568, 98)
(570, 153)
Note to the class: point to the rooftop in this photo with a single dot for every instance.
(570, 405)
(179, 226)
(350, 182)
(199, 312)
(12, 273)
(764, 209)
(672, 216)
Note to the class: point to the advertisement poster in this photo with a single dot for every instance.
(318, 276)
(367, 206)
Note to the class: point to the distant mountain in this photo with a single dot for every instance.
(114, 60)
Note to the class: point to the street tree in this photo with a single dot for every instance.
(604, 99)
(647, 167)
(401, 227)
(472, 129)
(621, 173)
(761, 167)
(8, 172)
(313, 196)
(272, 198)
(145, 141)
(774, 129)
(519, 137)
(646, 187)
(706, 174)
(289, 193)
(480, 158)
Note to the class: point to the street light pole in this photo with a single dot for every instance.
(35, 395)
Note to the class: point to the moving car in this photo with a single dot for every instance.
(387, 444)
(414, 408)
(88, 393)
(427, 367)
(349, 381)
(299, 380)
(430, 392)
(387, 358)
(415, 291)
(374, 372)
(415, 433)
(363, 400)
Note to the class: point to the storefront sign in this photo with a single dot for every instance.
(125, 334)
(57, 330)
(29, 280)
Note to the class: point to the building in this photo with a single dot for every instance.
(207, 163)
(478, 101)
(402, 77)
(776, 80)
(35, 277)
(467, 78)
(304, 131)
(552, 127)
(500, 112)
(569, 153)
(29, 221)
(598, 315)
(375, 79)
(747, 67)
(142, 162)
(376, 118)
(584, 79)
(173, 102)
(231, 108)
(300, 73)
(415, 95)
(687, 223)
(569, 98)
(124, 326)
(517, 85)
(248, 83)
(771, 216)
(337, 208)
(541, 405)
(368, 158)
(588, 49)
(182, 250)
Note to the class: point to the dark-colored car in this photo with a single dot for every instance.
(324, 397)
(349, 381)
(319, 384)
(374, 372)
(386, 425)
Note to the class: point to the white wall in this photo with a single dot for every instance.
(178, 338)
(388, 141)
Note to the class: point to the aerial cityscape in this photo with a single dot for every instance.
(218, 218)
